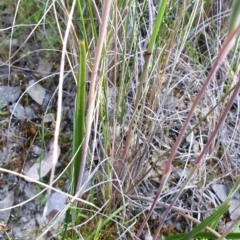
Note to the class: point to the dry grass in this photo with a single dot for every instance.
(189, 40)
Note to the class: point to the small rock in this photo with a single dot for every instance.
(6, 203)
(21, 112)
(8, 95)
(36, 150)
(36, 92)
(21, 231)
(18, 111)
(41, 168)
(5, 155)
(221, 191)
(30, 190)
(30, 114)
(56, 204)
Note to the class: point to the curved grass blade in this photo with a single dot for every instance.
(216, 215)
(202, 235)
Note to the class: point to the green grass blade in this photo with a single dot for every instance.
(230, 196)
(235, 16)
(78, 131)
(234, 188)
(98, 230)
(217, 214)
(202, 235)
(157, 25)
(93, 25)
(83, 27)
(103, 223)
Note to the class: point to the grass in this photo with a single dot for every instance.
(141, 127)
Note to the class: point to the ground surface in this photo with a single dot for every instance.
(28, 92)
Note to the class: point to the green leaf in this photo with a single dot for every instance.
(202, 235)
(78, 131)
(235, 16)
(218, 213)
